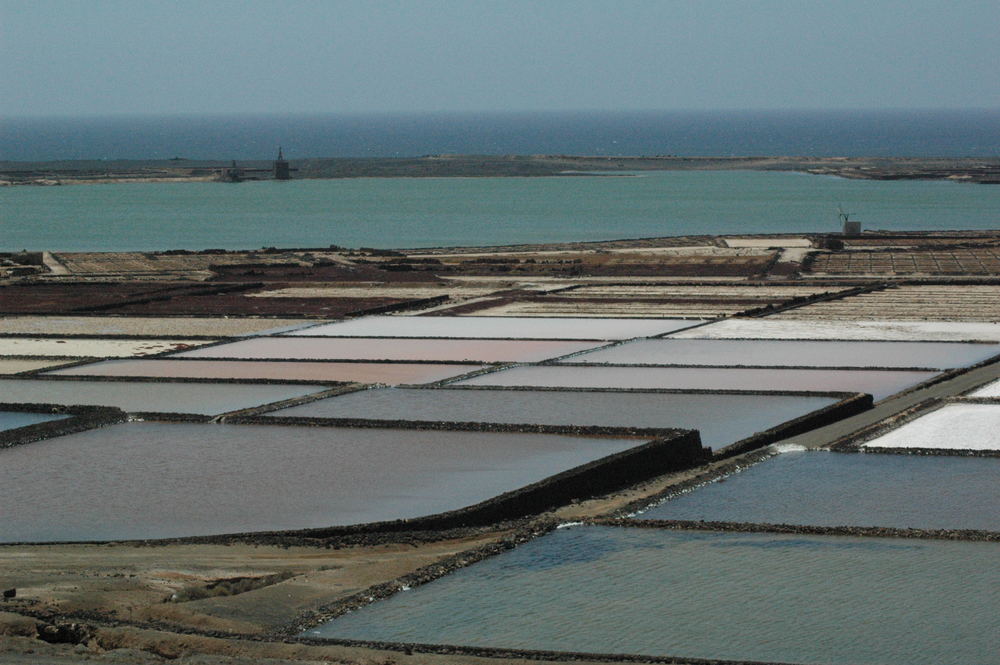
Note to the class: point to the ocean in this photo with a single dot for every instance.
(974, 133)
(408, 212)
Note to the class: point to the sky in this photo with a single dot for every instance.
(110, 57)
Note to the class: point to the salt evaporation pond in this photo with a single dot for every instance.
(17, 365)
(860, 329)
(835, 489)
(952, 427)
(765, 353)
(989, 390)
(742, 597)
(721, 418)
(360, 372)
(499, 327)
(157, 480)
(173, 397)
(879, 383)
(15, 419)
(350, 348)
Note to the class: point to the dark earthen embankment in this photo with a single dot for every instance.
(845, 408)
(80, 418)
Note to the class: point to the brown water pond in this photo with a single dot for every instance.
(154, 480)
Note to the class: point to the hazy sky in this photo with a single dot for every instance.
(67, 57)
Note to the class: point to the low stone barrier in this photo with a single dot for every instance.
(851, 405)
(80, 418)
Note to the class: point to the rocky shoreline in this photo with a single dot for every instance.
(963, 169)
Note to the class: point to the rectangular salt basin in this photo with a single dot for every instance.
(499, 327)
(734, 596)
(722, 419)
(132, 396)
(879, 383)
(952, 427)
(155, 480)
(18, 365)
(95, 348)
(912, 331)
(989, 390)
(334, 348)
(764, 353)
(146, 325)
(360, 372)
(836, 489)
(15, 419)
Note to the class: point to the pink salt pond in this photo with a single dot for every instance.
(359, 372)
(445, 350)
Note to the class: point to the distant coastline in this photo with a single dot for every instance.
(970, 169)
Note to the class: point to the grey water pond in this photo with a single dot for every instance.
(374, 348)
(132, 396)
(721, 418)
(879, 383)
(835, 489)
(158, 480)
(189, 368)
(760, 597)
(15, 419)
(791, 353)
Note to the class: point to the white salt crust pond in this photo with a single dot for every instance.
(791, 353)
(989, 390)
(157, 480)
(878, 383)
(952, 427)
(777, 328)
(133, 396)
(95, 348)
(368, 348)
(17, 365)
(499, 327)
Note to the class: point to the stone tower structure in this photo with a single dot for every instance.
(281, 170)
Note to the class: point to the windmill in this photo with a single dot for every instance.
(849, 228)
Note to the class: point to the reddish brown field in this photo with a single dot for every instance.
(50, 298)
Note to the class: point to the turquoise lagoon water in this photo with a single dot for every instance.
(833, 489)
(15, 419)
(420, 212)
(758, 597)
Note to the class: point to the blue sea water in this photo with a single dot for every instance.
(407, 212)
(913, 133)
